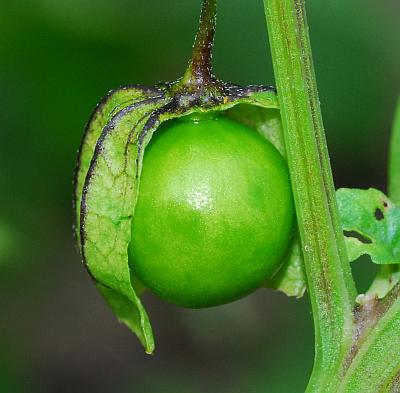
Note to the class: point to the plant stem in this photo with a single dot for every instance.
(199, 68)
(394, 159)
(331, 287)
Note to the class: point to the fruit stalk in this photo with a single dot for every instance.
(331, 287)
(199, 68)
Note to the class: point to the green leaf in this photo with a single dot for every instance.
(108, 200)
(371, 222)
(113, 102)
(265, 120)
(132, 315)
(291, 277)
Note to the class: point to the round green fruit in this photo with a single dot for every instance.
(214, 215)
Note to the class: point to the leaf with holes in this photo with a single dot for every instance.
(371, 224)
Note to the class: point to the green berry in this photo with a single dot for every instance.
(214, 215)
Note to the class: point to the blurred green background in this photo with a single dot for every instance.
(57, 59)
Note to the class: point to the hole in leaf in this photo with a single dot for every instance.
(358, 236)
(364, 272)
(379, 214)
(385, 204)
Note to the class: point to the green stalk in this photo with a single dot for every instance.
(331, 287)
(199, 68)
(394, 159)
